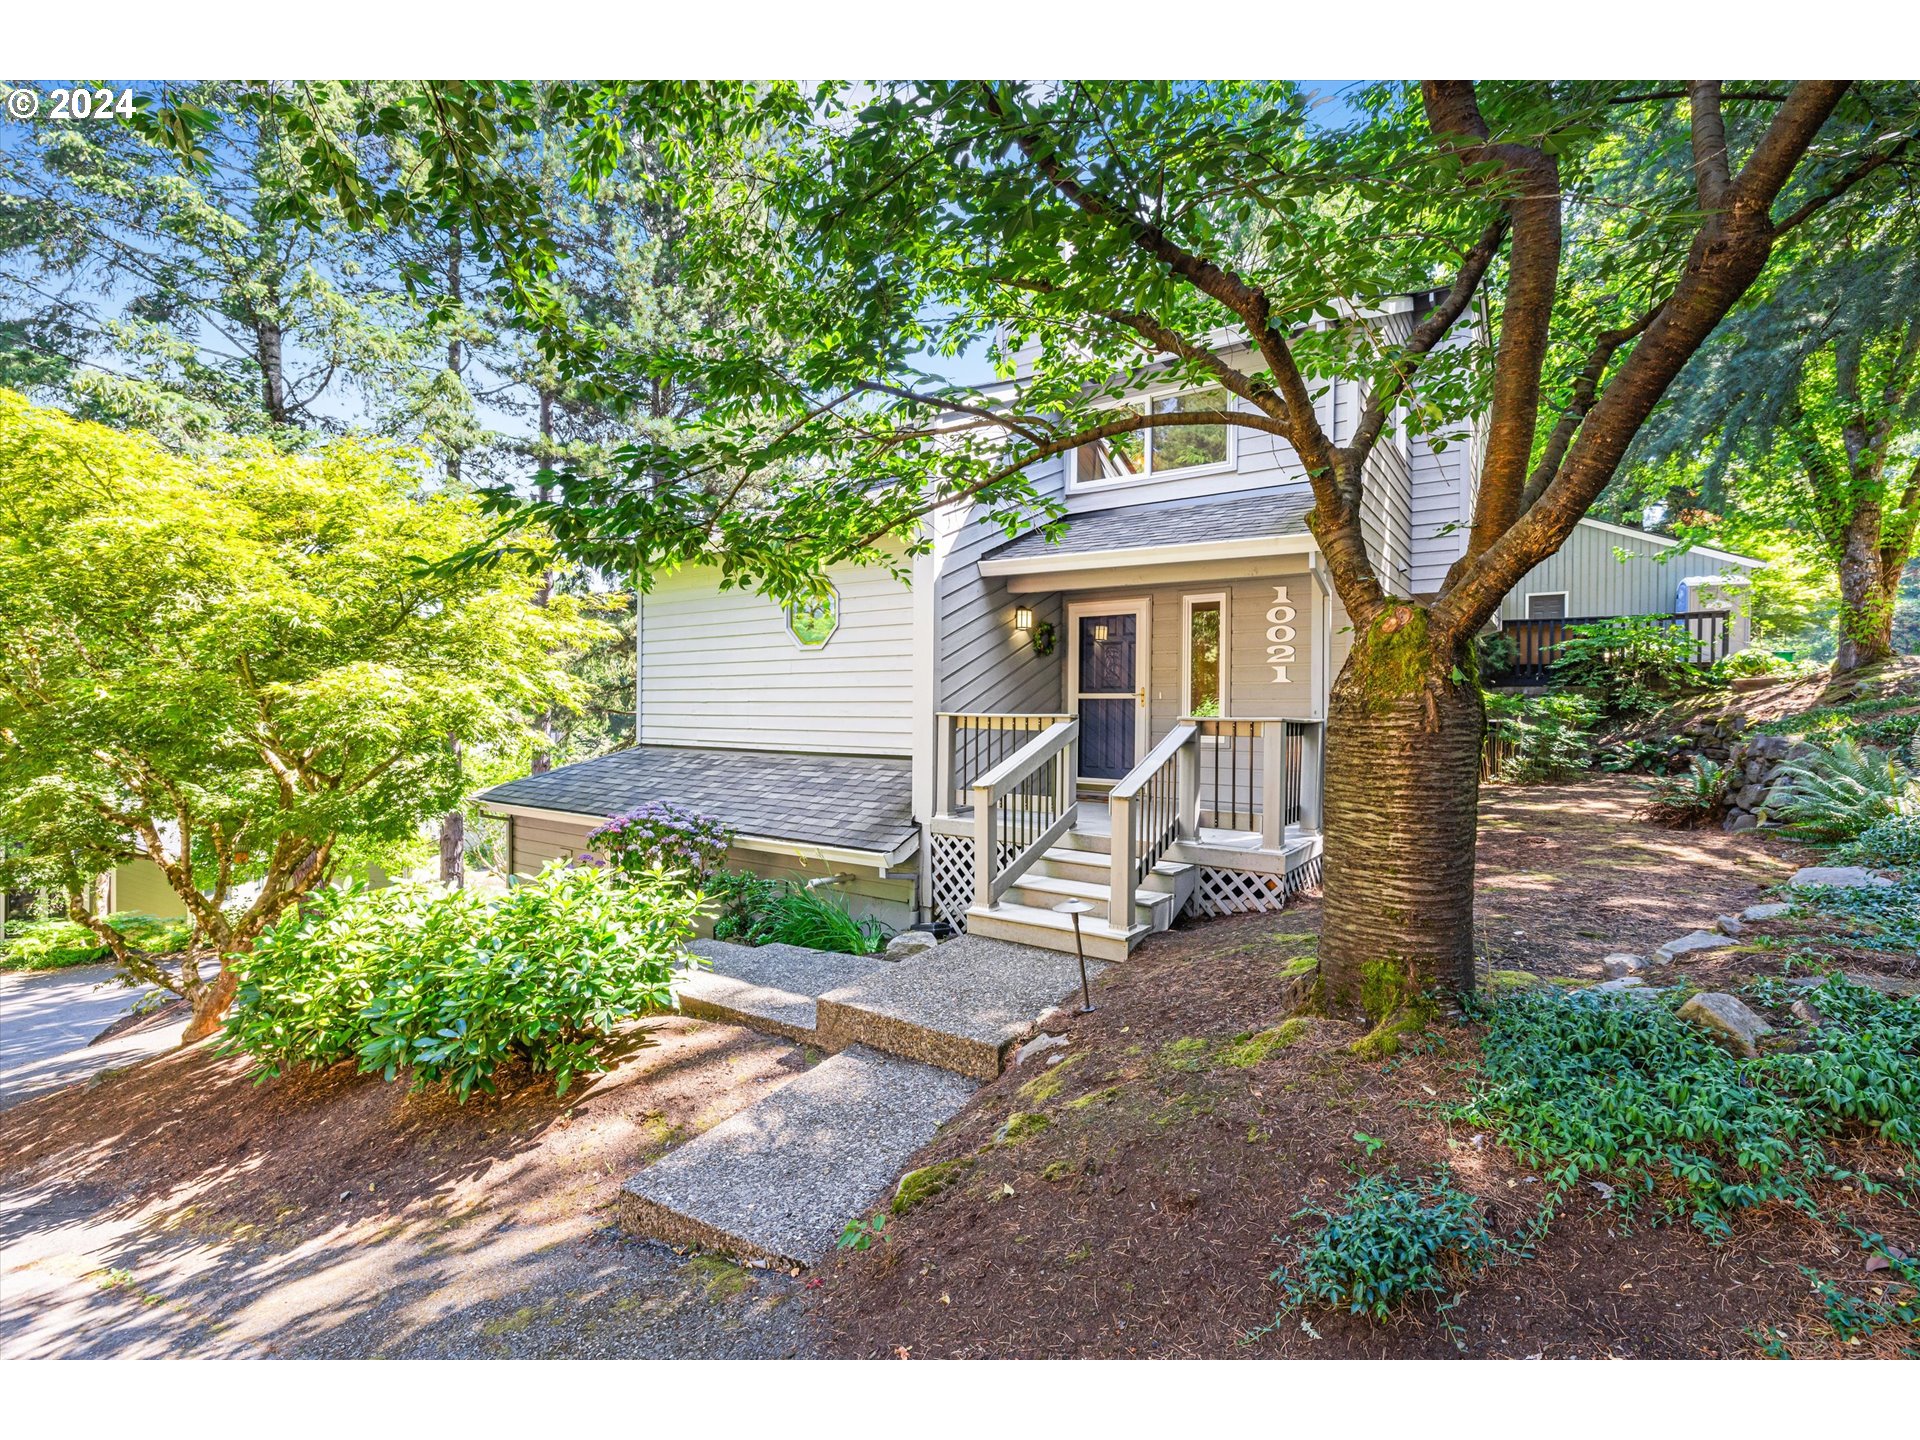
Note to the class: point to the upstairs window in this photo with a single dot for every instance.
(1169, 451)
(812, 622)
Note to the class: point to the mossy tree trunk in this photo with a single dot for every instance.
(1404, 738)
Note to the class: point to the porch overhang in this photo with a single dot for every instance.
(1262, 526)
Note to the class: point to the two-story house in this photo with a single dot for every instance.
(1130, 714)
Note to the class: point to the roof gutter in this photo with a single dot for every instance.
(880, 860)
(1053, 562)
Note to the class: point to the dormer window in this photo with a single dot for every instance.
(1160, 452)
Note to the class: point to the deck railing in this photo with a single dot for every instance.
(1537, 642)
(1022, 806)
(1259, 774)
(1147, 812)
(968, 746)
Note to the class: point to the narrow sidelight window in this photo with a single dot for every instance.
(1205, 693)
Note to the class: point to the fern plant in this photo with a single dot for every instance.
(1692, 798)
(1838, 791)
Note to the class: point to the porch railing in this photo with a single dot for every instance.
(1259, 774)
(1537, 642)
(1148, 814)
(967, 747)
(1022, 806)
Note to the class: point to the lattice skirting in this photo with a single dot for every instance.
(952, 879)
(1244, 892)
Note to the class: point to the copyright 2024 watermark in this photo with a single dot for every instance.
(62, 103)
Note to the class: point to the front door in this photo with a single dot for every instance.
(1109, 674)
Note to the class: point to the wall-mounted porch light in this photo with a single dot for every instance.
(1023, 618)
(1099, 634)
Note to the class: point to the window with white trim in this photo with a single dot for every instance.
(811, 623)
(1206, 652)
(1172, 450)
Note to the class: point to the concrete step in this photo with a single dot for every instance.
(779, 1180)
(963, 1005)
(770, 988)
(1031, 926)
(1152, 908)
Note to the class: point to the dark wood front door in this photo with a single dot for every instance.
(1108, 657)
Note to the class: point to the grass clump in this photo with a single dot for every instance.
(1094, 1097)
(1390, 1240)
(1247, 1051)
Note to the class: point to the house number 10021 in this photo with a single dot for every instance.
(1280, 633)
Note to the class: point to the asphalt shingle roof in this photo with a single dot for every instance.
(856, 802)
(1137, 527)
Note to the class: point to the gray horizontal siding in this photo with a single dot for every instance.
(1598, 582)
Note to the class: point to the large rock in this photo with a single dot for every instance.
(1728, 1019)
(1688, 944)
(1748, 797)
(1621, 964)
(1729, 925)
(1769, 747)
(1772, 910)
(908, 943)
(1841, 877)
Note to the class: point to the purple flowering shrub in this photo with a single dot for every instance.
(661, 837)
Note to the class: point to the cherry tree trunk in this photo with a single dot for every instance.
(210, 1004)
(1404, 741)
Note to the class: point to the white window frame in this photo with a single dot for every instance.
(1526, 605)
(839, 614)
(1143, 404)
(1187, 603)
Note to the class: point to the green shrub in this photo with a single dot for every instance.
(1549, 735)
(1837, 791)
(1391, 1240)
(1753, 661)
(1628, 665)
(450, 987)
(1695, 796)
(57, 944)
(744, 903)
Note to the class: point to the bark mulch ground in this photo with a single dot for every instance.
(178, 1208)
(1129, 1200)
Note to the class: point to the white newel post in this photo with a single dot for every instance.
(943, 776)
(1312, 763)
(985, 846)
(1273, 784)
(1186, 789)
(1120, 877)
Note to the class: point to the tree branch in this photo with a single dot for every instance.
(1709, 142)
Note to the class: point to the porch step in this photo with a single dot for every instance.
(962, 1005)
(1153, 908)
(779, 1180)
(1029, 925)
(1096, 868)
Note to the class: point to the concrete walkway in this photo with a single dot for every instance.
(46, 1019)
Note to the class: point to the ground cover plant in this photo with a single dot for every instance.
(449, 988)
(1628, 666)
(1834, 793)
(57, 944)
(659, 837)
(1546, 737)
(1390, 1241)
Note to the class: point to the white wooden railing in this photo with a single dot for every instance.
(1022, 806)
(967, 747)
(1150, 809)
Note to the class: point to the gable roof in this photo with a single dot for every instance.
(1669, 541)
(850, 802)
(1269, 522)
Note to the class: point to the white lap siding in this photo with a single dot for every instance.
(718, 667)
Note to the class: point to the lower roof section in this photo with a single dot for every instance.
(845, 802)
(1244, 526)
